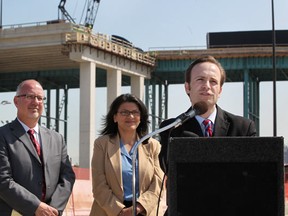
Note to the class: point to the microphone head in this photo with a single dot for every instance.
(200, 107)
(186, 133)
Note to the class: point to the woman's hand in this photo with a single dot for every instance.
(129, 211)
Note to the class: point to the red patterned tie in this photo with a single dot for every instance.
(38, 150)
(208, 127)
(35, 142)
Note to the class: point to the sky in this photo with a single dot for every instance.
(163, 24)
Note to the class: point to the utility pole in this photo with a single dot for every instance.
(1, 6)
(274, 73)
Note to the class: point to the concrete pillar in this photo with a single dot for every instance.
(87, 112)
(114, 83)
(137, 86)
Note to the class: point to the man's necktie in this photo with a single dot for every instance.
(35, 142)
(38, 150)
(208, 127)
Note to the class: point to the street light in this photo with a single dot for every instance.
(1, 9)
(274, 72)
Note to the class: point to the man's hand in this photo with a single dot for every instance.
(46, 210)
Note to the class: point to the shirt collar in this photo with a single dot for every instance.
(212, 117)
(26, 128)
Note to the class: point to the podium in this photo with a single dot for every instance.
(226, 176)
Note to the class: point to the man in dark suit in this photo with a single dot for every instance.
(31, 182)
(204, 79)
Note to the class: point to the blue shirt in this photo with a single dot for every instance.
(127, 172)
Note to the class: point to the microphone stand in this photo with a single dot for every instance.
(176, 123)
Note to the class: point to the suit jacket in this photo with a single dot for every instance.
(21, 173)
(107, 176)
(226, 124)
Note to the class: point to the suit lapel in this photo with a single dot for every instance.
(22, 135)
(113, 149)
(193, 126)
(114, 155)
(221, 123)
(143, 153)
(45, 143)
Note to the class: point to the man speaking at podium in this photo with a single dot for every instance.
(204, 79)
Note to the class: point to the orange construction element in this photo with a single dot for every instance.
(81, 199)
(286, 182)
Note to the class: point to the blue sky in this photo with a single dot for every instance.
(161, 23)
(164, 24)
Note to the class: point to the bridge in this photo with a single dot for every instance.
(64, 56)
(250, 65)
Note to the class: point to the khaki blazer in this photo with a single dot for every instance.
(107, 176)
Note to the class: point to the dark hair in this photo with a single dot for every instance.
(111, 128)
(206, 58)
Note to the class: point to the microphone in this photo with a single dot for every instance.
(188, 134)
(198, 109)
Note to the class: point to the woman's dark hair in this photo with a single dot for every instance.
(111, 128)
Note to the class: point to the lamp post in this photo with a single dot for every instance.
(1, 13)
(274, 73)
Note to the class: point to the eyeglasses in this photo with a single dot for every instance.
(128, 113)
(32, 97)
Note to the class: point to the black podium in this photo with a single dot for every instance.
(227, 176)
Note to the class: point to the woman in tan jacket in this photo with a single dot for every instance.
(126, 122)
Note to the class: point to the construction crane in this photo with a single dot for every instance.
(91, 12)
(65, 13)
